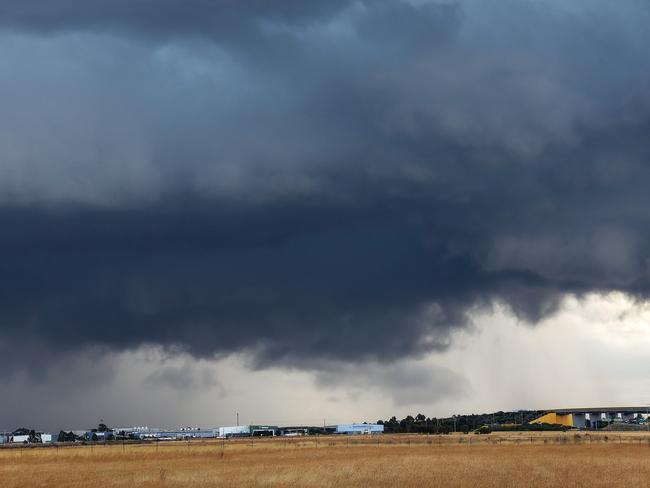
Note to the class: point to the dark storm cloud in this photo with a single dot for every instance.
(162, 18)
(291, 278)
(355, 197)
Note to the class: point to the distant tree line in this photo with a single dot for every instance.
(420, 424)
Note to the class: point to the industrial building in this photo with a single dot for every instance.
(247, 431)
(582, 418)
(146, 433)
(273, 430)
(25, 436)
(299, 431)
(356, 429)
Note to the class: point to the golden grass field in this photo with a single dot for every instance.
(542, 460)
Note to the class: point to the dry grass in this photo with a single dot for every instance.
(493, 461)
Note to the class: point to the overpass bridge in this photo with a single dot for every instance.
(577, 417)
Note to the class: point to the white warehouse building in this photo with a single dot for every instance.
(359, 429)
(247, 431)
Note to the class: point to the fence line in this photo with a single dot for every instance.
(347, 441)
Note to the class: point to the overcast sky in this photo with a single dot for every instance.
(351, 208)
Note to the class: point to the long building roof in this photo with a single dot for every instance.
(642, 409)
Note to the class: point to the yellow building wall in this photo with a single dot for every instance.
(554, 418)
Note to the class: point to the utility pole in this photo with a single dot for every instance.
(237, 419)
